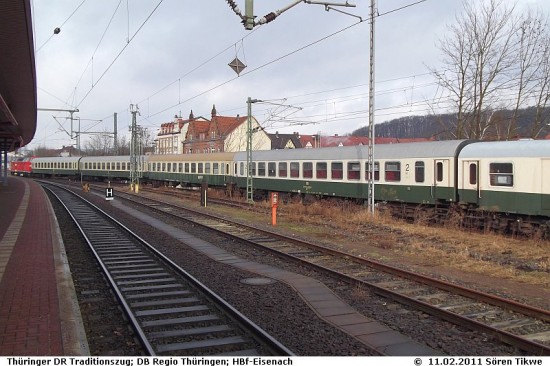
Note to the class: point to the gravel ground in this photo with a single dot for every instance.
(275, 307)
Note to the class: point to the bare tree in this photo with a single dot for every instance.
(542, 89)
(478, 58)
(457, 57)
(100, 144)
(123, 146)
(532, 34)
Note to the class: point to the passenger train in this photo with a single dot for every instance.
(502, 185)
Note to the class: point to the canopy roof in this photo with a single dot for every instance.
(17, 75)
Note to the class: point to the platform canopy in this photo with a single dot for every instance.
(17, 75)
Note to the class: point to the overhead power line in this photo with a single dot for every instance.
(120, 53)
(58, 29)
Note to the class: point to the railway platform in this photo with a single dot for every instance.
(39, 313)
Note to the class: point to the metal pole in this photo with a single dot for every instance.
(249, 188)
(371, 111)
(5, 167)
(115, 133)
(134, 151)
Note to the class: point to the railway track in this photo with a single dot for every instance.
(517, 324)
(171, 312)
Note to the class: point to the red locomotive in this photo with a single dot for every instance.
(21, 166)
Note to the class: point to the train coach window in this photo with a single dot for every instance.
(439, 171)
(216, 167)
(180, 167)
(253, 168)
(272, 169)
(200, 168)
(283, 170)
(308, 170)
(473, 173)
(321, 170)
(241, 169)
(294, 170)
(376, 171)
(193, 167)
(501, 174)
(186, 166)
(337, 170)
(261, 169)
(207, 169)
(393, 171)
(419, 172)
(354, 170)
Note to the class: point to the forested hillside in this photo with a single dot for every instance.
(443, 126)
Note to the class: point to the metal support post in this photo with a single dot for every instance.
(371, 111)
(135, 161)
(249, 186)
(5, 167)
(115, 136)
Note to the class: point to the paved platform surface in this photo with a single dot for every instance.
(325, 303)
(39, 314)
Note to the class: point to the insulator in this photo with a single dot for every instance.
(270, 17)
(234, 6)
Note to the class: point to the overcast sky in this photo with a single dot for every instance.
(309, 66)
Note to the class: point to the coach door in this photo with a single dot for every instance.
(545, 187)
(469, 186)
(441, 189)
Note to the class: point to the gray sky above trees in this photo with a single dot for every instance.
(171, 56)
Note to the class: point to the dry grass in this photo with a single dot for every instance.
(525, 260)
(381, 237)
